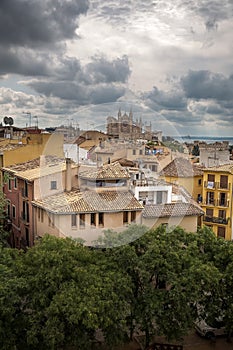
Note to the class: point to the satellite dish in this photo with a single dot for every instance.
(6, 120)
(10, 121)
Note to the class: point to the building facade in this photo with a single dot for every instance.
(126, 128)
(217, 200)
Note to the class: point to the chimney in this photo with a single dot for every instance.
(68, 184)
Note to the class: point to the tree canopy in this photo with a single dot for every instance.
(60, 293)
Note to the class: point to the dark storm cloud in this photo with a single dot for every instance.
(206, 85)
(24, 62)
(33, 23)
(80, 93)
(158, 100)
(100, 81)
(103, 70)
(213, 11)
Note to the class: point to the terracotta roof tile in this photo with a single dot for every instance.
(181, 167)
(222, 168)
(89, 201)
(171, 210)
(107, 172)
(37, 168)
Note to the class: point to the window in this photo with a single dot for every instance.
(51, 219)
(199, 182)
(53, 185)
(8, 208)
(154, 167)
(209, 212)
(224, 181)
(210, 183)
(221, 231)
(210, 198)
(25, 189)
(13, 211)
(133, 216)
(222, 214)
(140, 152)
(159, 197)
(134, 152)
(222, 199)
(15, 182)
(73, 220)
(25, 214)
(93, 219)
(82, 220)
(101, 219)
(9, 184)
(125, 217)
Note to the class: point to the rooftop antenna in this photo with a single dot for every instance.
(30, 117)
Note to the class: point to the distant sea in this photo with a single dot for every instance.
(207, 139)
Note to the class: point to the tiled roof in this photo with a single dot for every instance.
(181, 167)
(171, 210)
(89, 201)
(35, 169)
(111, 171)
(222, 168)
(35, 163)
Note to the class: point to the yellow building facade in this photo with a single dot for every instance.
(182, 172)
(217, 200)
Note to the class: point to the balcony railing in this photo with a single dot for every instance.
(222, 203)
(209, 202)
(217, 185)
(210, 185)
(215, 219)
(216, 203)
(223, 186)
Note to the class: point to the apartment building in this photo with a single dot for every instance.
(217, 200)
(182, 172)
(26, 182)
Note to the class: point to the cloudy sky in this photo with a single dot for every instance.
(78, 61)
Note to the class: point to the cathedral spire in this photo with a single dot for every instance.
(119, 113)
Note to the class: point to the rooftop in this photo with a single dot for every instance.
(89, 201)
(171, 210)
(37, 168)
(182, 167)
(222, 168)
(111, 171)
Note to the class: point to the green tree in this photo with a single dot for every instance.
(168, 278)
(69, 295)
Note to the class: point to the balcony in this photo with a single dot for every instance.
(215, 219)
(222, 203)
(209, 202)
(223, 186)
(216, 203)
(210, 185)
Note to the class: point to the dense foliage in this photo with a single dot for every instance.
(60, 294)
